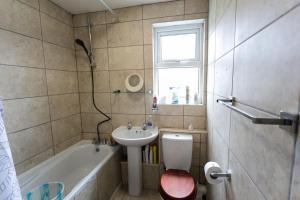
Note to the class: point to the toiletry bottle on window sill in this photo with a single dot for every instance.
(187, 94)
(174, 93)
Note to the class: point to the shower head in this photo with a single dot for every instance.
(81, 43)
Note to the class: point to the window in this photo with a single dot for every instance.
(178, 65)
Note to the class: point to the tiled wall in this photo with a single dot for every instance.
(124, 46)
(38, 80)
(254, 56)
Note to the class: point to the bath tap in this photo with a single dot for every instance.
(96, 142)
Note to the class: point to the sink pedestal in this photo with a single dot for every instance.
(134, 155)
(134, 139)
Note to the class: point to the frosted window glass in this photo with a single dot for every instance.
(178, 79)
(178, 47)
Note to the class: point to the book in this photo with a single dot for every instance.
(155, 154)
(151, 155)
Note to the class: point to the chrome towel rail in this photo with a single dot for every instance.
(286, 121)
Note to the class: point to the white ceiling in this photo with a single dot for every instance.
(83, 6)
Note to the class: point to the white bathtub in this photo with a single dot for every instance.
(74, 167)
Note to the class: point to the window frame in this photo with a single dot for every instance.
(177, 28)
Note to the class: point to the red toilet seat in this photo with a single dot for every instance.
(177, 185)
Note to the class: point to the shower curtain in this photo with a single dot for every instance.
(9, 186)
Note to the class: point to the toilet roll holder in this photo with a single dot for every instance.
(215, 175)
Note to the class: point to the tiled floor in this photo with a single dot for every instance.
(122, 194)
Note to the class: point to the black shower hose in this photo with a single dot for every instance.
(98, 109)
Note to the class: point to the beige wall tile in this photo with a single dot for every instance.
(267, 148)
(55, 11)
(100, 59)
(148, 56)
(12, 81)
(212, 17)
(124, 34)
(253, 147)
(220, 151)
(225, 30)
(28, 143)
(221, 7)
(20, 50)
(223, 75)
(89, 136)
(210, 101)
(80, 20)
(99, 36)
(125, 14)
(196, 150)
(211, 48)
(126, 58)
(196, 138)
(62, 146)
(64, 129)
(295, 181)
(195, 6)
(33, 3)
(241, 184)
(82, 34)
(196, 16)
(163, 9)
(164, 121)
(25, 113)
(28, 120)
(163, 109)
(90, 121)
(210, 78)
(57, 32)
(102, 101)
(63, 105)
(30, 163)
(98, 18)
(194, 110)
(101, 79)
(195, 170)
(147, 26)
(57, 57)
(128, 103)
(197, 122)
(221, 118)
(123, 119)
(61, 82)
(118, 78)
(267, 77)
(18, 17)
(148, 80)
(203, 137)
(251, 16)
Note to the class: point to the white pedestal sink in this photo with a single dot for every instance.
(134, 139)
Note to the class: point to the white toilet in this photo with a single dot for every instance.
(177, 182)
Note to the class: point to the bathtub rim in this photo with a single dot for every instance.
(25, 178)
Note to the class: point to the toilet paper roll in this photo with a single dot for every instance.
(212, 167)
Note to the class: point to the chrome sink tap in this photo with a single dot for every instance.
(129, 125)
(144, 127)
